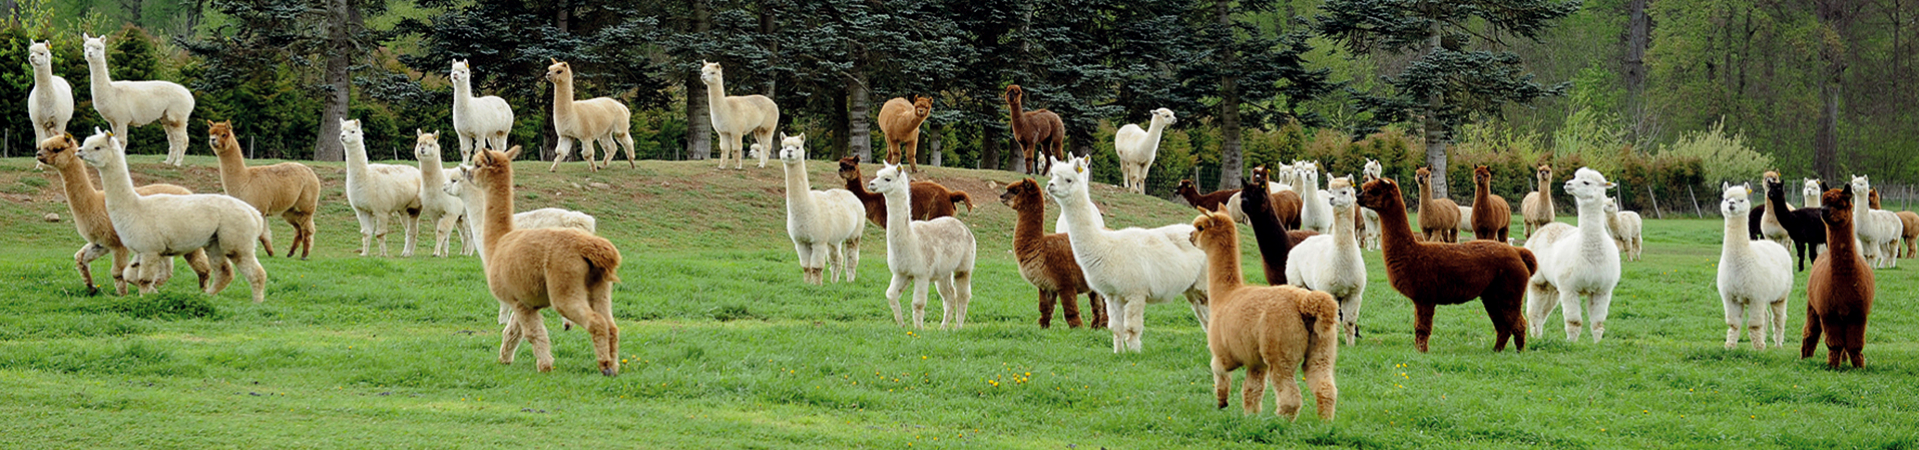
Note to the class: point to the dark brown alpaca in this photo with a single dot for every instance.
(1807, 230)
(1432, 273)
(1209, 201)
(1438, 217)
(930, 200)
(1492, 217)
(1269, 231)
(1046, 260)
(1038, 129)
(1839, 293)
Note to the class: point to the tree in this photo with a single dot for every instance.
(263, 35)
(1257, 76)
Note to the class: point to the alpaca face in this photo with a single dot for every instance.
(922, 106)
(1736, 201)
(1612, 205)
(38, 55)
(1810, 188)
(1068, 178)
(1259, 176)
(1020, 192)
(1373, 169)
(460, 73)
(1014, 93)
(1340, 192)
(792, 149)
(1860, 184)
(491, 168)
(710, 72)
(218, 131)
(1836, 205)
(1166, 115)
(350, 132)
(1422, 176)
(98, 148)
(888, 180)
(1483, 175)
(558, 72)
(94, 48)
(1212, 228)
(454, 184)
(56, 151)
(1308, 174)
(1377, 193)
(1545, 173)
(850, 168)
(426, 146)
(1588, 185)
(1186, 186)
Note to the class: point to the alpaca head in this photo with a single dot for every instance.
(1612, 205)
(1872, 198)
(850, 168)
(1770, 176)
(1735, 202)
(1835, 205)
(1380, 194)
(1373, 169)
(1259, 176)
(56, 151)
(1421, 176)
(491, 168)
(1069, 178)
(1544, 173)
(710, 72)
(558, 72)
(99, 149)
(922, 106)
(426, 146)
(1185, 187)
(39, 55)
(1214, 228)
(456, 183)
(219, 132)
(1588, 185)
(94, 48)
(792, 148)
(1340, 192)
(350, 133)
(460, 72)
(1014, 93)
(1483, 176)
(1811, 187)
(1860, 183)
(1021, 194)
(1308, 174)
(888, 180)
(1165, 116)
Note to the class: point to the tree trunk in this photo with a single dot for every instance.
(769, 26)
(930, 140)
(1437, 135)
(989, 142)
(859, 105)
(339, 94)
(699, 120)
(1832, 52)
(1638, 39)
(1230, 162)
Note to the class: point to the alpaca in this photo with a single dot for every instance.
(378, 191)
(156, 228)
(1840, 290)
(1889, 249)
(1190, 192)
(900, 121)
(1039, 130)
(477, 121)
(1492, 217)
(89, 209)
(1046, 260)
(288, 189)
(1131, 267)
(1537, 207)
(1438, 217)
(598, 119)
(1874, 231)
(1315, 212)
(1626, 230)
(930, 200)
(436, 207)
(50, 103)
(474, 200)
(135, 103)
(1807, 230)
(1255, 328)
(1332, 264)
(1810, 191)
(1138, 147)
(1909, 222)
(1270, 228)
(1284, 204)
(1434, 273)
(938, 252)
(1465, 223)
(736, 117)
(1754, 276)
(1369, 229)
(1768, 222)
(825, 225)
(1576, 264)
(570, 270)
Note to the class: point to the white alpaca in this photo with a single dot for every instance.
(379, 191)
(1137, 148)
(474, 199)
(1369, 237)
(1810, 192)
(160, 226)
(1465, 223)
(137, 103)
(1315, 212)
(601, 119)
(1131, 267)
(477, 121)
(1754, 276)
(1331, 263)
(1878, 234)
(825, 225)
(444, 211)
(939, 252)
(50, 104)
(1572, 265)
(737, 116)
(1625, 227)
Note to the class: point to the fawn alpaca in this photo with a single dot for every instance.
(1754, 276)
(1439, 218)
(1270, 331)
(1435, 273)
(938, 252)
(601, 119)
(900, 121)
(288, 189)
(1046, 260)
(1039, 130)
(735, 117)
(1839, 292)
(134, 103)
(1537, 207)
(89, 209)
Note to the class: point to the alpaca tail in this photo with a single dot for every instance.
(603, 258)
(1526, 256)
(960, 196)
(1320, 313)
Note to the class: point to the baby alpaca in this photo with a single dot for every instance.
(1332, 264)
(1576, 264)
(1254, 327)
(1754, 276)
(436, 207)
(379, 191)
(135, 103)
(938, 252)
(161, 226)
(1840, 290)
(825, 225)
(289, 189)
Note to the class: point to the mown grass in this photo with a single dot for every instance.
(725, 348)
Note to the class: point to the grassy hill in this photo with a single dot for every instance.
(726, 348)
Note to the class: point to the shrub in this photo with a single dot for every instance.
(1725, 158)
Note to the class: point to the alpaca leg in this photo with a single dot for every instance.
(176, 140)
(366, 231)
(853, 257)
(1600, 304)
(1319, 377)
(835, 259)
(1252, 392)
(1046, 309)
(1571, 309)
(533, 326)
(607, 144)
(570, 299)
(807, 266)
(912, 150)
(1778, 319)
(379, 230)
(249, 264)
(201, 266)
(1136, 323)
(497, 141)
(1736, 318)
(1198, 301)
(919, 302)
(562, 147)
(466, 148)
(962, 286)
(83, 259)
(1116, 322)
(1422, 324)
(1810, 339)
(1349, 318)
(222, 272)
(893, 297)
(412, 222)
(765, 136)
(1540, 301)
(1287, 401)
(948, 308)
(892, 151)
(1856, 343)
(510, 335)
(1222, 382)
(626, 141)
(724, 148)
(266, 239)
(1098, 307)
(1757, 325)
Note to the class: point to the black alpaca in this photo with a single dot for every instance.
(1808, 231)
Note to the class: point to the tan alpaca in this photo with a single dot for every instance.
(598, 119)
(901, 123)
(1537, 207)
(89, 209)
(289, 189)
(737, 116)
(528, 269)
(1439, 218)
(1267, 330)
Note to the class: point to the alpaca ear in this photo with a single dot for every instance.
(1724, 185)
(1749, 186)
(513, 153)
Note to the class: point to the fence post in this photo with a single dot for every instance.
(1655, 203)
(251, 153)
(1695, 202)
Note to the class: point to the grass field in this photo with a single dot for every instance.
(724, 347)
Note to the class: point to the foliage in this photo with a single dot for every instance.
(1726, 158)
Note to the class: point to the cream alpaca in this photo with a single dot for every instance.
(1268, 330)
(1810, 192)
(737, 116)
(50, 104)
(377, 192)
(1878, 230)
(1138, 147)
(1537, 207)
(287, 189)
(1625, 227)
(1315, 212)
(939, 252)
(1768, 222)
(89, 210)
(159, 227)
(1576, 264)
(1131, 267)
(477, 121)
(475, 201)
(825, 225)
(443, 211)
(598, 119)
(1754, 276)
(1331, 263)
(1369, 235)
(136, 103)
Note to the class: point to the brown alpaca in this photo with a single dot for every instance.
(89, 208)
(1839, 292)
(1492, 217)
(1255, 328)
(289, 189)
(901, 123)
(1911, 232)
(1210, 201)
(1432, 273)
(1269, 231)
(528, 269)
(930, 200)
(1438, 217)
(1046, 260)
(1037, 129)
(1537, 207)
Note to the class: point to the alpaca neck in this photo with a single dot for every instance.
(1343, 224)
(1811, 200)
(432, 175)
(43, 76)
(233, 169)
(1425, 193)
(1153, 131)
(899, 229)
(356, 159)
(1192, 196)
(82, 198)
(118, 183)
(1861, 211)
(1593, 222)
(799, 197)
(1776, 204)
(498, 215)
(1028, 227)
(1737, 241)
(715, 94)
(1482, 193)
(1545, 191)
(1083, 222)
(1013, 106)
(462, 93)
(1839, 236)
(102, 81)
(562, 98)
(858, 188)
(1395, 232)
(1222, 268)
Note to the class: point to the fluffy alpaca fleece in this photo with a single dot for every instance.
(50, 103)
(570, 270)
(825, 225)
(1875, 231)
(1804, 225)
(1626, 229)
(600, 119)
(1210, 201)
(1583, 263)
(1038, 130)
(900, 121)
(477, 121)
(1369, 229)
(89, 209)
(1438, 217)
(443, 211)
(736, 117)
(1046, 260)
(161, 226)
(1754, 276)
(1332, 264)
(1269, 227)
(474, 200)
(930, 200)
(1315, 212)
(135, 103)
(1909, 224)
(1434, 273)
(1137, 147)
(377, 192)
(1537, 207)
(1271, 331)
(1283, 204)
(1492, 217)
(288, 189)
(1465, 223)
(1769, 226)
(1128, 268)
(1890, 249)
(1840, 290)
(939, 252)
